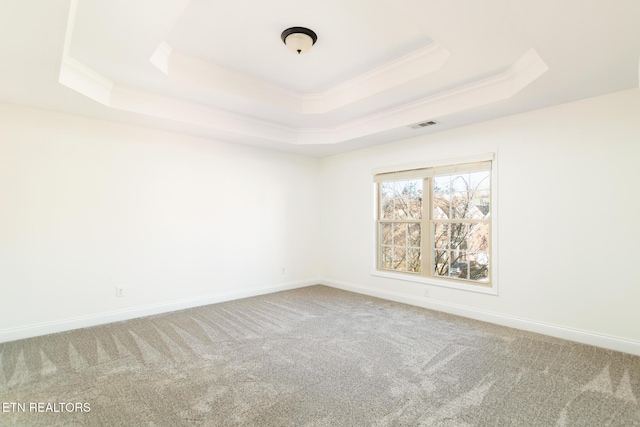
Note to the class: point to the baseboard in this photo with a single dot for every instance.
(584, 337)
(136, 312)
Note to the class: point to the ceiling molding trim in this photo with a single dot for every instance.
(77, 76)
(414, 65)
(504, 85)
(202, 74)
(205, 74)
(160, 57)
(486, 91)
(172, 109)
(86, 81)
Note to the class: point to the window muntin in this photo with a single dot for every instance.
(436, 222)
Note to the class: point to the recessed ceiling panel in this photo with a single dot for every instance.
(244, 35)
(225, 74)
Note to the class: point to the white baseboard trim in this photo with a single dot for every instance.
(13, 334)
(577, 335)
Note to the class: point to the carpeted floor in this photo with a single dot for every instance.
(315, 356)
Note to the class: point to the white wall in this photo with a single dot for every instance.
(568, 234)
(88, 205)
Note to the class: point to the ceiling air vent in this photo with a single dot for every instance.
(423, 124)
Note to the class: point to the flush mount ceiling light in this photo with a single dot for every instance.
(298, 39)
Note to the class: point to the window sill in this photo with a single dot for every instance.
(489, 290)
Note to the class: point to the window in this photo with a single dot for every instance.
(436, 223)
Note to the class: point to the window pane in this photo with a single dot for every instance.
(386, 208)
(385, 234)
(414, 201)
(385, 257)
(457, 256)
(440, 263)
(459, 266)
(414, 235)
(460, 205)
(441, 198)
(400, 233)
(479, 267)
(458, 237)
(478, 238)
(470, 195)
(401, 199)
(460, 183)
(386, 200)
(480, 181)
(413, 260)
(481, 203)
(441, 184)
(399, 259)
(441, 236)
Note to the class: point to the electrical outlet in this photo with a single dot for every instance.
(282, 271)
(119, 291)
(426, 293)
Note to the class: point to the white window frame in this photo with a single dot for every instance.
(426, 279)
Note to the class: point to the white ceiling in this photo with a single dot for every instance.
(218, 69)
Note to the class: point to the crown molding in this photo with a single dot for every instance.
(481, 92)
(417, 64)
(88, 82)
(203, 74)
(84, 80)
(190, 113)
(160, 57)
(485, 91)
(77, 76)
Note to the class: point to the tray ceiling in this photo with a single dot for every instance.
(218, 68)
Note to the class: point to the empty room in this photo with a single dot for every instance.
(330, 213)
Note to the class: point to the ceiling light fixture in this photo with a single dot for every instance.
(298, 39)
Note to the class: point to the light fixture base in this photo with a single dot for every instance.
(299, 39)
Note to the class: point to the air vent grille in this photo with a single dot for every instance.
(423, 124)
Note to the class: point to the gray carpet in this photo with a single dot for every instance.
(313, 357)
